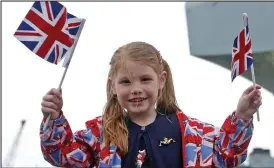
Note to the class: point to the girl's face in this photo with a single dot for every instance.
(137, 87)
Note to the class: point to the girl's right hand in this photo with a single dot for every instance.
(52, 104)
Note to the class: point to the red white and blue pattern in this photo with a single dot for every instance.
(140, 159)
(202, 146)
(242, 57)
(73, 24)
(48, 30)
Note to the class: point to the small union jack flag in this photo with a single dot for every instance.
(48, 30)
(242, 57)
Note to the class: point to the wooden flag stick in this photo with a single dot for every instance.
(66, 64)
(245, 17)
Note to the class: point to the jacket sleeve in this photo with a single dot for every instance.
(61, 148)
(232, 141)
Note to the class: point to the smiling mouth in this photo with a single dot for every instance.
(137, 100)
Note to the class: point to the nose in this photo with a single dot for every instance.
(136, 91)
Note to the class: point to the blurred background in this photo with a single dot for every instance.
(194, 37)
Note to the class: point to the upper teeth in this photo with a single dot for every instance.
(138, 99)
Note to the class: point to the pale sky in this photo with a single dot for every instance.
(203, 89)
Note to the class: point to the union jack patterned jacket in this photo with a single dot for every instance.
(202, 145)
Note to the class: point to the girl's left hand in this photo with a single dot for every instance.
(249, 103)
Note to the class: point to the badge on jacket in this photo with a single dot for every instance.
(166, 141)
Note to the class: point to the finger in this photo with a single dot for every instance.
(257, 105)
(252, 94)
(251, 88)
(51, 91)
(54, 91)
(259, 98)
(52, 98)
(259, 93)
(49, 105)
(56, 100)
(258, 101)
(48, 110)
(57, 93)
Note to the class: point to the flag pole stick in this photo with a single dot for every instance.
(245, 17)
(66, 64)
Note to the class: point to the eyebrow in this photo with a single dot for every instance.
(146, 75)
(127, 77)
(123, 78)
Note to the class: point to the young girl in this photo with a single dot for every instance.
(142, 125)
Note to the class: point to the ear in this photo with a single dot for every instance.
(112, 88)
(163, 78)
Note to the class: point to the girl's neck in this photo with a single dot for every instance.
(143, 119)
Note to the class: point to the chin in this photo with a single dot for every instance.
(139, 108)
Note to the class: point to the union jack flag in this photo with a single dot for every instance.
(48, 30)
(242, 57)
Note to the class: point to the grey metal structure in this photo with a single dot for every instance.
(11, 155)
(212, 27)
(259, 158)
